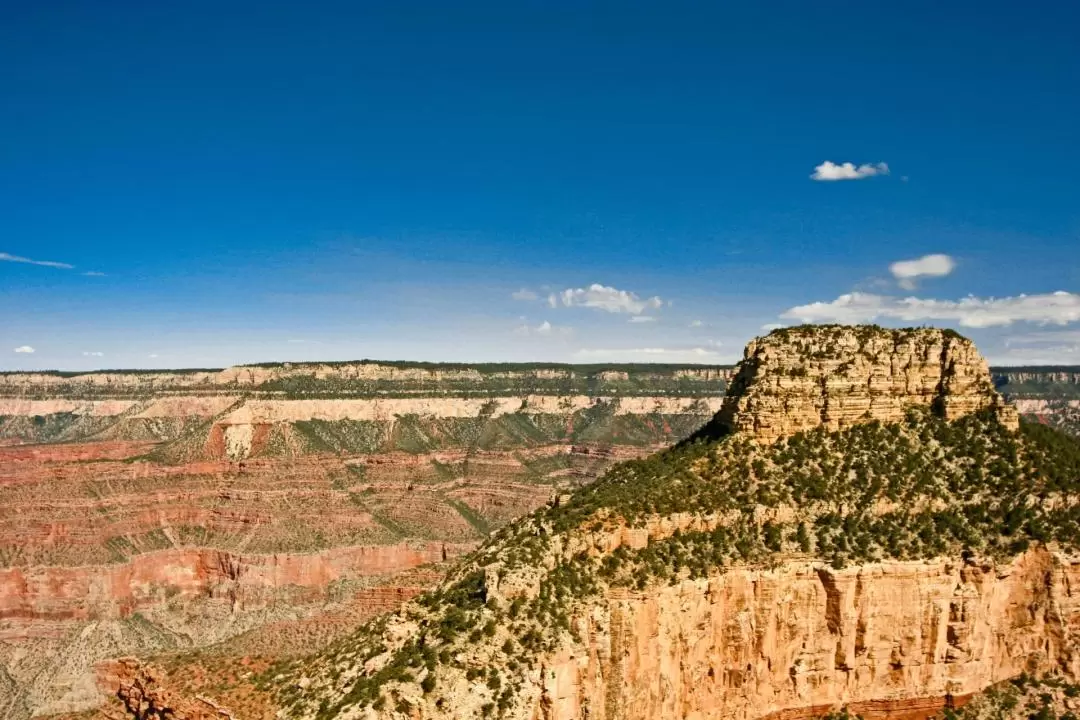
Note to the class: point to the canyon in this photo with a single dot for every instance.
(149, 513)
(726, 579)
(204, 518)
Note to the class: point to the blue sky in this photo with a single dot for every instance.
(267, 181)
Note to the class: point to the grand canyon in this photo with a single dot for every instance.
(488, 360)
(207, 543)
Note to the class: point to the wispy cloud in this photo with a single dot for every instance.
(24, 349)
(769, 327)
(92, 353)
(907, 272)
(524, 294)
(1058, 308)
(642, 319)
(696, 323)
(602, 297)
(43, 263)
(829, 171)
(94, 273)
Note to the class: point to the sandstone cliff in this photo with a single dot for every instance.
(799, 378)
(802, 639)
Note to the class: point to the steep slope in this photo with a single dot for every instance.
(901, 558)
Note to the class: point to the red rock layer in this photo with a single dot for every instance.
(111, 591)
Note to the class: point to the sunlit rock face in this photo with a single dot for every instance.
(800, 378)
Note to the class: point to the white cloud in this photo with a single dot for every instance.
(552, 301)
(642, 319)
(87, 353)
(602, 297)
(524, 294)
(651, 354)
(769, 327)
(1044, 347)
(24, 349)
(828, 171)
(696, 323)
(94, 273)
(544, 329)
(44, 263)
(152, 355)
(908, 271)
(1056, 308)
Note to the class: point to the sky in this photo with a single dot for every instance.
(204, 184)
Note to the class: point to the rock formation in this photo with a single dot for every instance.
(143, 692)
(799, 378)
(878, 565)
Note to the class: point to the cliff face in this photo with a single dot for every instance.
(800, 378)
(803, 638)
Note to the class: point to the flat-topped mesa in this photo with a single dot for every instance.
(796, 379)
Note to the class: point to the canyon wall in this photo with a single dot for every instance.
(43, 593)
(365, 407)
(360, 378)
(1063, 377)
(803, 638)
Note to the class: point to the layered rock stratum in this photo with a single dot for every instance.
(892, 543)
(833, 377)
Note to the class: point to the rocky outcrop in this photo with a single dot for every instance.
(802, 638)
(144, 693)
(797, 379)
